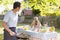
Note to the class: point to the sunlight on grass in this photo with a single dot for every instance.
(1, 36)
(1, 30)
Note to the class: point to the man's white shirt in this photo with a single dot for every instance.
(11, 19)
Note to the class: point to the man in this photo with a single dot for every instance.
(10, 22)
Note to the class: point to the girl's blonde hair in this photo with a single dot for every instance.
(36, 19)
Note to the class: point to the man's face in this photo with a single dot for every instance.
(18, 8)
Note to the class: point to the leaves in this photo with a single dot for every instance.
(46, 7)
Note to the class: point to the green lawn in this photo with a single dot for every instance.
(58, 30)
(1, 36)
(0, 23)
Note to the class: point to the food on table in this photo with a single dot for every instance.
(52, 29)
(42, 30)
(25, 28)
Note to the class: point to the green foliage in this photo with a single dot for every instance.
(6, 3)
(47, 7)
(36, 12)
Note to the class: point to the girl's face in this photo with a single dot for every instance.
(35, 18)
(36, 22)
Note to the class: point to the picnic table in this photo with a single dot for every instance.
(38, 35)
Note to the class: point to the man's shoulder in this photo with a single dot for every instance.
(9, 12)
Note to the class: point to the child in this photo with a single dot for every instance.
(35, 25)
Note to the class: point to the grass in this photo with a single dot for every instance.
(58, 30)
(1, 36)
(0, 23)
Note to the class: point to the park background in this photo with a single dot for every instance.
(48, 11)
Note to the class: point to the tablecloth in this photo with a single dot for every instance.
(41, 35)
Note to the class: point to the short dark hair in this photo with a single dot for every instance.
(16, 4)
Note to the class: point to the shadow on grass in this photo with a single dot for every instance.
(58, 30)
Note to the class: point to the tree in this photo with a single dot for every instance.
(47, 7)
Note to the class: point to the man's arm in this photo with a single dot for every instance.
(7, 28)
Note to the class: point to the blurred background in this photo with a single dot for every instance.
(48, 11)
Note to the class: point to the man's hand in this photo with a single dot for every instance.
(12, 33)
(7, 28)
